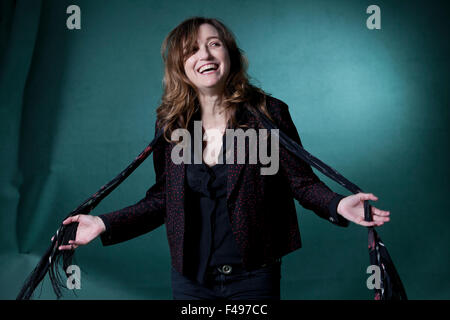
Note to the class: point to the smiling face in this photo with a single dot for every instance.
(208, 65)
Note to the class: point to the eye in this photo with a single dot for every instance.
(216, 43)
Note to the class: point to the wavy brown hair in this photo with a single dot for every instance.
(179, 99)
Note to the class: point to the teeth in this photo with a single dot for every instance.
(208, 66)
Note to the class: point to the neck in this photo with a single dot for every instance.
(213, 112)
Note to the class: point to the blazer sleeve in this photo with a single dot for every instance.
(144, 216)
(306, 187)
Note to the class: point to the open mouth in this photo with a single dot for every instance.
(208, 68)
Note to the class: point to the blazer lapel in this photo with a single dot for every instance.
(235, 169)
(175, 184)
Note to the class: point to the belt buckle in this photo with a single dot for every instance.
(225, 269)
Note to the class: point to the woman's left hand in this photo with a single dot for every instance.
(352, 208)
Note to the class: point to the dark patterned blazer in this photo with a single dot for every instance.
(261, 207)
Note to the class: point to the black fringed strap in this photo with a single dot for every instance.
(50, 260)
(391, 288)
(391, 285)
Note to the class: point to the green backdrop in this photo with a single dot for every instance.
(78, 105)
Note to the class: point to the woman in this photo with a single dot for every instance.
(228, 225)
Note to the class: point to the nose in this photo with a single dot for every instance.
(204, 52)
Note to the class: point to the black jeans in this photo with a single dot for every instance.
(260, 284)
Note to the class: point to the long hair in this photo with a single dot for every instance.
(179, 101)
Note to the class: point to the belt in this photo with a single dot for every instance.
(236, 268)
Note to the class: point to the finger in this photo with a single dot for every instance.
(67, 247)
(379, 212)
(380, 219)
(367, 196)
(75, 242)
(373, 223)
(377, 221)
(365, 223)
(71, 219)
(68, 220)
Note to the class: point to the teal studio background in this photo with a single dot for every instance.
(78, 105)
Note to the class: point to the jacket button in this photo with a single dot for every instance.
(226, 269)
(331, 219)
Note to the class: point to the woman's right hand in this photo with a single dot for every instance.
(89, 228)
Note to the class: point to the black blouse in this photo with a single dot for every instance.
(209, 237)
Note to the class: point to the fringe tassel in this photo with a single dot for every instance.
(52, 258)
